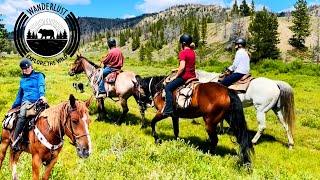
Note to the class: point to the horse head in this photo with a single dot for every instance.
(76, 125)
(77, 66)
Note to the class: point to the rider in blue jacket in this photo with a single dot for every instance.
(32, 88)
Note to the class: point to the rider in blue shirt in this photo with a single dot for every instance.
(32, 88)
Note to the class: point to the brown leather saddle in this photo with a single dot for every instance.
(112, 77)
(242, 85)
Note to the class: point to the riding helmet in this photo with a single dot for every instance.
(25, 63)
(186, 39)
(111, 42)
(241, 41)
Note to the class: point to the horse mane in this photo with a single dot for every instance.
(90, 62)
(57, 115)
(156, 84)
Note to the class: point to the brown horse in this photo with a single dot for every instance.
(211, 101)
(46, 138)
(123, 88)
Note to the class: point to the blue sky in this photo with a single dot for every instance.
(10, 9)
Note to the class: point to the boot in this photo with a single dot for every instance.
(17, 131)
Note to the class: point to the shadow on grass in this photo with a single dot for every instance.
(198, 143)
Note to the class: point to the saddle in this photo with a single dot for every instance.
(110, 80)
(112, 77)
(243, 84)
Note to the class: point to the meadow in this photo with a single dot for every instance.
(127, 152)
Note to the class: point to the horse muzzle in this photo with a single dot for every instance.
(83, 152)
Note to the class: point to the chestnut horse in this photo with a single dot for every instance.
(69, 118)
(124, 87)
(211, 101)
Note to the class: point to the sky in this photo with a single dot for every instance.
(10, 9)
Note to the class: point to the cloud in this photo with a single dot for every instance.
(150, 6)
(72, 2)
(126, 16)
(11, 9)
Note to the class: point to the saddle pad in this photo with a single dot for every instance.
(184, 94)
(9, 120)
(111, 78)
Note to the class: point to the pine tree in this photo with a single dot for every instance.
(204, 29)
(301, 25)
(263, 38)
(122, 40)
(235, 9)
(142, 53)
(252, 7)
(64, 36)
(4, 42)
(196, 35)
(33, 36)
(244, 9)
(29, 34)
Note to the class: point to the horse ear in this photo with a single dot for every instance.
(89, 101)
(72, 100)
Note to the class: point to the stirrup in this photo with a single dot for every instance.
(101, 95)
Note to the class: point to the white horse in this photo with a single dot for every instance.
(265, 94)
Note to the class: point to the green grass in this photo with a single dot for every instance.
(127, 152)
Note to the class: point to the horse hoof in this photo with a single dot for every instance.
(118, 123)
(290, 146)
(158, 141)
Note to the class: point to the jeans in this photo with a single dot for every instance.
(169, 93)
(106, 71)
(21, 119)
(229, 80)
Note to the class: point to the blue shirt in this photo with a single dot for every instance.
(32, 87)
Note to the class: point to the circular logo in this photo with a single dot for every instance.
(47, 33)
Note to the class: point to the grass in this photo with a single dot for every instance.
(127, 152)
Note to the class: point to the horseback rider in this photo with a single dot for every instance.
(112, 62)
(32, 88)
(241, 64)
(186, 70)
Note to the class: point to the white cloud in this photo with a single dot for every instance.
(11, 9)
(150, 6)
(126, 16)
(72, 2)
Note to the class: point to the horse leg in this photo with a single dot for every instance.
(220, 129)
(158, 117)
(5, 141)
(212, 133)
(101, 109)
(175, 123)
(125, 110)
(278, 112)
(261, 117)
(49, 167)
(142, 108)
(36, 164)
(14, 157)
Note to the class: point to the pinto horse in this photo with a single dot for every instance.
(124, 87)
(211, 101)
(265, 94)
(69, 118)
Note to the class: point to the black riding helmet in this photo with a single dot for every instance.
(25, 63)
(241, 41)
(111, 42)
(186, 39)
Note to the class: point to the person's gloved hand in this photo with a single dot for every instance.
(43, 99)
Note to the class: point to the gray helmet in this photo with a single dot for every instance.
(186, 39)
(111, 42)
(25, 63)
(241, 41)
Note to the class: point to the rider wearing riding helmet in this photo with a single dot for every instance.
(241, 64)
(186, 70)
(112, 62)
(32, 88)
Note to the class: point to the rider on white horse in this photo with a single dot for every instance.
(112, 62)
(241, 64)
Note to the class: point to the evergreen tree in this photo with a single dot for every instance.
(252, 7)
(244, 9)
(142, 53)
(263, 38)
(33, 36)
(235, 9)
(196, 35)
(64, 36)
(29, 34)
(301, 25)
(122, 40)
(204, 29)
(5, 45)
(135, 41)
(148, 53)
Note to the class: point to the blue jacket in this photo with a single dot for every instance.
(32, 87)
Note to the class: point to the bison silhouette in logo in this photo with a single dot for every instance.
(46, 32)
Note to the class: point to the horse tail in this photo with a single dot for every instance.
(287, 103)
(238, 126)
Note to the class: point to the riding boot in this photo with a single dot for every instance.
(18, 129)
